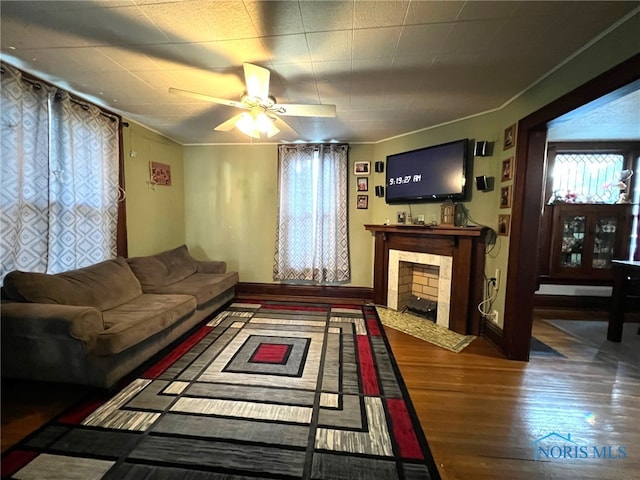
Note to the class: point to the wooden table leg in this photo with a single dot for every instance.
(616, 311)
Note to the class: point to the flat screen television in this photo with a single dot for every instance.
(428, 174)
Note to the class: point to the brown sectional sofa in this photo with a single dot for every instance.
(95, 325)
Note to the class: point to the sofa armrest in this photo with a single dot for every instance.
(212, 266)
(51, 321)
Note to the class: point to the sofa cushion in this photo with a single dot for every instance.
(204, 286)
(164, 268)
(139, 319)
(104, 285)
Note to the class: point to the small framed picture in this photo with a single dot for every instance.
(363, 184)
(507, 170)
(401, 217)
(363, 202)
(504, 224)
(362, 168)
(509, 137)
(505, 197)
(160, 173)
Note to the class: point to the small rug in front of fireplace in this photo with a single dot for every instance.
(424, 329)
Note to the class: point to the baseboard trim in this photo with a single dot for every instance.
(304, 293)
(493, 334)
(579, 302)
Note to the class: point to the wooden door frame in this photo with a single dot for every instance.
(527, 202)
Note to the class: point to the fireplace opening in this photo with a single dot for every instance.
(423, 307)
(418, 286)
(422, 275)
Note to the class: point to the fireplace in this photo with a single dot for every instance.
(458, 254)
(424, 275)
(418, 289)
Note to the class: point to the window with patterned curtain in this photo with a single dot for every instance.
(312, 238)
(59, 179)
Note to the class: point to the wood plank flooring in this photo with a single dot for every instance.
(480, 412)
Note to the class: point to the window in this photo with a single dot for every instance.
(590, 177)
(589, 172)
(312, 235)
(59, 183)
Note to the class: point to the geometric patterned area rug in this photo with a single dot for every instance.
(424, 329)
(271, 390)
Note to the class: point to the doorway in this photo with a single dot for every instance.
(527, 202)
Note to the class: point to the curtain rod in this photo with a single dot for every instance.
(37, 83)
(314, 145)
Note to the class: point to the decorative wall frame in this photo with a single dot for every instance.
(362, 168)
(362, 202)
(505, 197)
(363, 184)
(509, 137)
(507, 170)
(160, 174)
(504, 225)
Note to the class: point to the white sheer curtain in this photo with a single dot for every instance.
(312, 240)
(59, 183)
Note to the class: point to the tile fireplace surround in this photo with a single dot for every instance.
(457, 251)
(445, 266)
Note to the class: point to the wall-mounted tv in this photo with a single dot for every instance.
(428, 174)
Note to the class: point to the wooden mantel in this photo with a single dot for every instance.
(466, 245)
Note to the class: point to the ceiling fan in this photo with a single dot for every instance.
(263, 115)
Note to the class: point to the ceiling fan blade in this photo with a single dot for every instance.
(284, 125)
(300, 110)
(257, 80)
(272, 130)
(207, 98)
(229, 124)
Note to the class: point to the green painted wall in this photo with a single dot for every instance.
(155, 214)
(483, 207)
(230, 199)
(231, 209)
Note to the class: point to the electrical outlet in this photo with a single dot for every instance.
(493, 316)
(497, 277)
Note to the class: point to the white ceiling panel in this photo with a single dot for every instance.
(201, 20)
(433, 12)
(330, 46)
(325, 16)
(275, 17)
(375, 43)
(287, 49)
(389, 67)
(374, 14)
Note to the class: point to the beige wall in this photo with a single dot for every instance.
(155, 214)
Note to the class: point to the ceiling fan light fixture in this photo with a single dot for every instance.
(247, 125)
(262, 115)
(263, 122)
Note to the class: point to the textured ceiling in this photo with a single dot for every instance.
(390, 67)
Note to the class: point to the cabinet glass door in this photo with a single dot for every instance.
(604, 242)
(573, 230)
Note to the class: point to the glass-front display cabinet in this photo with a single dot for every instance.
(586, 237)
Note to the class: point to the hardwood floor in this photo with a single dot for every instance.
(480, 412)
